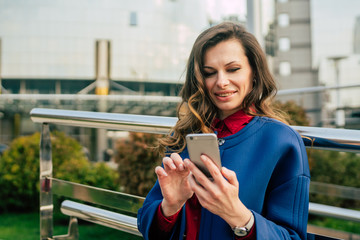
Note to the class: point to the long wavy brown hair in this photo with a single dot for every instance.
(196, 111)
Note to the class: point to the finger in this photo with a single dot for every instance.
(212, 167)
(178, 161)
(195, 186)
(198, 174)
(160, 172)
(169, 163)
(230, 176)
(201, 193)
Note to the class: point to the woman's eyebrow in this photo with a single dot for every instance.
(227, 64)
(208, 67)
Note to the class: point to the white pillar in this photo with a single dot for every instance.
(102, 88)
(254, 19)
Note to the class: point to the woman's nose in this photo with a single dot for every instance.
(222, 80)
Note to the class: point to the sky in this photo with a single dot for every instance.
(228, 7)
(217, 9)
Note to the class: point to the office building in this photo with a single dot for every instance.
(357, 36)
(293, 54)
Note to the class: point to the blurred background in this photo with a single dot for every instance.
(59, 54)
(130, 57)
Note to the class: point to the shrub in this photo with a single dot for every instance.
(338, 168)
(297, 115)
(19, 170)
(137, 160)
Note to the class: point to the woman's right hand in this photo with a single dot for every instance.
(174, 184)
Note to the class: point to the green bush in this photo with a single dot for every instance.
(327, 166)
(338, 168)
(137, 160)
(297, 115)
(19, 170)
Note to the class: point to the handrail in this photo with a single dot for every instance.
(89, 97)
(335, 190)
(337, 212)
(116, 200)
(314, 137)
(114, 121)
(129, 224)
(100, 216)
(323, 138)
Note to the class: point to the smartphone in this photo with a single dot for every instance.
(203, 143)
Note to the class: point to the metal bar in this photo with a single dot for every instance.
(150, 98)
(314, 89)
(334, 139)
(46, 199)
(319, 138)
(115, 121)
(122, 201)
(73, 231)
(129, 224)
(85, 97)
(336, 212)
(100, 216)
(335, 190)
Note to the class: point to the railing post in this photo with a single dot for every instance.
(46, 198)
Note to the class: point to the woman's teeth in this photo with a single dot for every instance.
(224, 94)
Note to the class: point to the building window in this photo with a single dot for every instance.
(283, 20)
(284, 44)
(133, 19)
(285, 69)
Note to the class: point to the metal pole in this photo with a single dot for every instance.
(339, 114)
(254, 21)
(46, 198)
(102, 88)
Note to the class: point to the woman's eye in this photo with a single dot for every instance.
(233, 69)
(208, 74)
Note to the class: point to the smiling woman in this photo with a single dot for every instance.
(228, 76)
(261, 191)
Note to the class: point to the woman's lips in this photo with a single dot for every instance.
(224, 95)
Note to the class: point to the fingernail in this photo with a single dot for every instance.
(181, 167)
(186, 162)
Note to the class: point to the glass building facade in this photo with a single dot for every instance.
(150, 40)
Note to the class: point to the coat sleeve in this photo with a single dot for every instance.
(148, 211)
(285, 211)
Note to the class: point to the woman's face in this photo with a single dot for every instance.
(228, 76)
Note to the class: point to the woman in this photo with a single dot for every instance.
(261, 192)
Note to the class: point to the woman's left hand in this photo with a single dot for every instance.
(220, 196)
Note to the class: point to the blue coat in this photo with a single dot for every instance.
(271, 165)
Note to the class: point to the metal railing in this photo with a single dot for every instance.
(321, 138)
